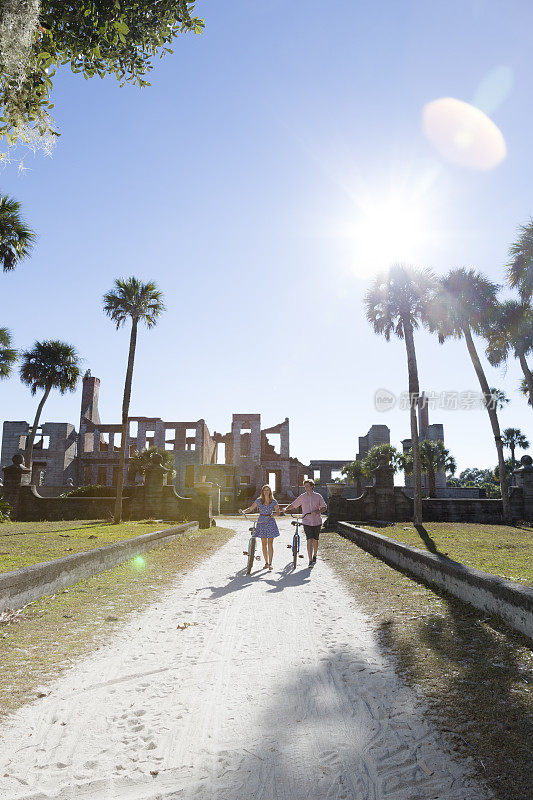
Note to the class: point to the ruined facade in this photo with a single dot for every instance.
(433, 433)
(377, 434)
(91, 455)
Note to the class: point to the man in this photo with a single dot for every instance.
(311, 503)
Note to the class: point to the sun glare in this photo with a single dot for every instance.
(388, 231)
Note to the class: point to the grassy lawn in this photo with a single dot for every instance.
(26, 543)
(500, 549)
(475, 675)
(51, 634)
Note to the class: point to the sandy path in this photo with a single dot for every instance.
(276, 689)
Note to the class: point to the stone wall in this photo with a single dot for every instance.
(153, 499)
(489, 593)
(384, 501)
(25, 585)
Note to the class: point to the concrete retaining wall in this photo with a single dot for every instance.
(22, 586)
(509, 600)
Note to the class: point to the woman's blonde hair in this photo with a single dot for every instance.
(263, 490)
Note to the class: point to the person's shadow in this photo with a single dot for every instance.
(289, 578)
(236, 582)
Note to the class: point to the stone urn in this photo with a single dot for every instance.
(335, 489)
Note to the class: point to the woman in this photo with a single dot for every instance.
(266, 528)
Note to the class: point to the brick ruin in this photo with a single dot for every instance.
(63, 456)
(251, 457)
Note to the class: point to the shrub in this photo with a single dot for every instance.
(5, 511)
(94, 490)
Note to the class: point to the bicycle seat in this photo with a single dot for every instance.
(294, 522)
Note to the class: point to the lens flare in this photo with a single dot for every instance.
(139, 562)
(463, 134)
(494, 89)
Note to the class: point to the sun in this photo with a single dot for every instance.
(389, 230)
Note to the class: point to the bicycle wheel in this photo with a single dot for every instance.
(251, 555)
(295, 548)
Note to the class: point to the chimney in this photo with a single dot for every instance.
(89, 399)
(423, 414)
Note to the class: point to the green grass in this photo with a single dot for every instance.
(26, 543)
(499, 549)
(475, 674)
(51, 634)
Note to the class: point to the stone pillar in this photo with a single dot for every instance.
(236, 444)
(384, 490)
(524, 481)
(284, 438)
(159, 437)
(154, 479)
(325, 474)
(16, 475)
(140, 443)
(255, 441)
(285, 476)
(207, 490)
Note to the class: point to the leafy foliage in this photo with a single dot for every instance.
(524, 389)
(520, 267)
(109, 37)
(399, 297)
(513, 439)
(133, 299)
(92, 490)
(16, 238)
(354, 471)
(465, 299)
(510, 331)
(434, 457)
(8, 355)
(393, 458)
(5, 510)
(472, 476)
(497, 398)
(475, 478)
(140, 461)
(50, 364)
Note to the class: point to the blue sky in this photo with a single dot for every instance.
(241, 181)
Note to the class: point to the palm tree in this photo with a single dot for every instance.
(434, 457)
(16, 239)
(140, 461)
(513, 438)
(140, 302)
(498, 399)
(396, 304)
(510, 330)
(520, 267)
(524, 389)
(355, 471)
(48, 365)
(382, 453)
(8, 355)
(463, 304)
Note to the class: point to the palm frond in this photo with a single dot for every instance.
(50, 363)
(132, 299)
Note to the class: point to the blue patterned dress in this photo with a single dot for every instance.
(266, 527)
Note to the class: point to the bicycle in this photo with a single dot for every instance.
(250, 553)
(295, 546)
